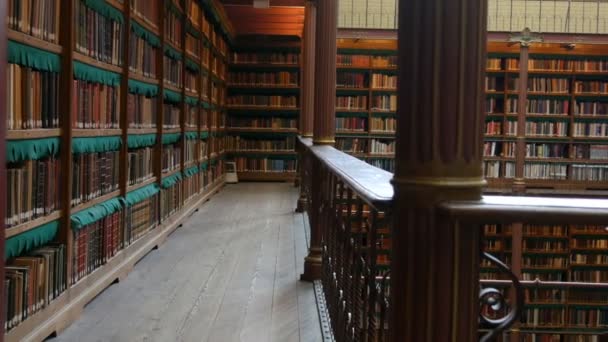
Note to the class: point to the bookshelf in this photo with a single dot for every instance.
(263, 108)
(89, 195)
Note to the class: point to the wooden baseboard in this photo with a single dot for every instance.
(66, 309)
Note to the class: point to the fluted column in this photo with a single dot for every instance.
(325, 73)
(324, 125)
(308, 71)
(435, 262)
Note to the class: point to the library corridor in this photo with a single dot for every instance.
(230, 273)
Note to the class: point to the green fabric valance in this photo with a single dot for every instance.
(204, 135)
(31, 149)
(204, 166)
(193, 31)
(172, 53)
(96, 144)
(171, 138)
(91, 215)
(191, 135)
(26, 241)
(142, 33)
(191, 65)
(170, 181)
(213, 162)
(173, 8)
(205, 105)
(141, 194)
(171, 96)
(142, 88)
(90, 73)
(191, 100)
(191, 171)
(32, 57)
(105, 9)
(140, 140)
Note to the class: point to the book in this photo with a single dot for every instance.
(140, 165)
(36, 18)
(141, 111)
(96, 106)
(98, 34)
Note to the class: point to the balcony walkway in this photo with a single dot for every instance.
(229, 274)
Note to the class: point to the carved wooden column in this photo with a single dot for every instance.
(324, 125)
(307, 89)
(435, 262)
(3, 47)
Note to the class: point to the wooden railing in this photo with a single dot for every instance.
(350, 206)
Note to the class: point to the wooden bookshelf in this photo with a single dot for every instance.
(65, 308)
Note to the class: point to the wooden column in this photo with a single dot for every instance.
(325, 73)
(435, 262)
(324, 125)
(3, 62)
(307, 71)
(519, 183)
(307, 89)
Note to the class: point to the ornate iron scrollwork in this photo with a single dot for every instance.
(496, 300)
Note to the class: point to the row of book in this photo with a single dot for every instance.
(546, 107)
(142, 56)
(382, 81)
(172, 69)
(171, 157)
(94, 175)
(148, 10)
(35, 18)
(192, 81)
(203, 148)
(382, 146)
(590, 172)
(244, 164)
(497, 169)
(140, 165)
(551, 65)
(592, 129)
(494, 83)
(591, 87)
(285, 78)
(141, 218)
(192, 187)
(549, 85)
(387, 164)
(193, 45)
(546, 150)
(271, 122)
(141, 111)
(499, 149)
(351, 102)
(191, 119)
(33, 190)
(32, 98)
(590, 108)
(265, 57)
(190, 149)
(352, 145)
(244, 144)
(96, 35)
(493, 128)
(384, 103)
(171, 115)
(546, 171)
(351, 123)
(589, 151)
(353, 60)
(94, 244)
(544, 261)
(171, 200)
(95, 105)
(195, 14)
(589, 259)
(547, 128)
(383, 124)
(262, 100)
(351, 80)
(32, 281)
(173, 28)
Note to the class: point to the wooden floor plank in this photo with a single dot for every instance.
(229, 274)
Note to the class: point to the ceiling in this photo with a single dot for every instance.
(282, 17)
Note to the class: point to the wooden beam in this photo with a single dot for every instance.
(269, 26)
(268, 18)
(297, 33)
(253, 13)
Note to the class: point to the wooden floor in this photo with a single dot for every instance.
(229, 274)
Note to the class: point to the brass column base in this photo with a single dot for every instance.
(312, 265)
(302, 204)
(519, 186)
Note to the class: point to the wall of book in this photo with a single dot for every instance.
(142, 145)
(263, 107)
(366, 100)
(573, 258)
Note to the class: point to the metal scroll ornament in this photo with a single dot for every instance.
(495, 299)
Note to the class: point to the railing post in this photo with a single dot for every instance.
(324, 122)
(435, 261)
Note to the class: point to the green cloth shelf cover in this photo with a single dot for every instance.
(204, 165)
(172, 53)
(91, 215)
(31, 149)
(191, 65)
(142, 88)
(90, 73)
(32, 57)
(141, 194)
(213, 162)
(205, 105)
(193, 31)
(191, 100)
(191, 171)
(140, 140)
(171, 96)
(204, 135)
(105, 9)
(171, 138)
(191, 135)
(96, 144)
(170, 181)
(144, 34)
(173, 8)
(26, 241)
(351, 114)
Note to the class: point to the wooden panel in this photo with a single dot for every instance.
(267, 21)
